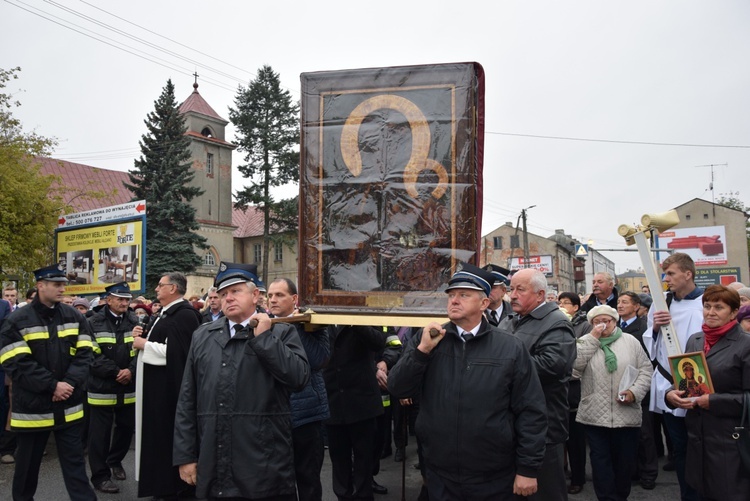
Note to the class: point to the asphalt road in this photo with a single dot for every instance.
(51, 487)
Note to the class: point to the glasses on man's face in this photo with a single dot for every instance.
(159, 285)
(564, 303)
(599, 322)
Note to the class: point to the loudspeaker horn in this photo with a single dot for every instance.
(627, 231)
(662, 221)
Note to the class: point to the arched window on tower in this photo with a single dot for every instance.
(207, 132)
(209, 259)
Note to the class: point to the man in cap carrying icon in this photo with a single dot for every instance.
(46, 350)
(482, 420)
(233, 432)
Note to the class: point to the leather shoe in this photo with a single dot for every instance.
(118, 473)
(108, 487)
(379, 489)
(648, 484)
(575, 489)
(399, 456)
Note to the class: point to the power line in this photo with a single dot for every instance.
(649, 143)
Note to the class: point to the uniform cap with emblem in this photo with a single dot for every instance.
(234, 273)
(121, 289)
(53, 273)
(500, 274)
(471, 277)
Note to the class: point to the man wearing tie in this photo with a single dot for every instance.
(482, 420)
(498, 308)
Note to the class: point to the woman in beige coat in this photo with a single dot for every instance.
(611, 416)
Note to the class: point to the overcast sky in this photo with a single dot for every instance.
(595, 79)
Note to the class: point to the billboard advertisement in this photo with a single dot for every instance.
(541, 263)
(706, 245)
(110, 250)
(705, 277)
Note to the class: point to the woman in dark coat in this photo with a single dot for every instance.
(713, 464)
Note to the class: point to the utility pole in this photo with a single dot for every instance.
(525, 237)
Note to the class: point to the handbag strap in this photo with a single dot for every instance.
(746, 411)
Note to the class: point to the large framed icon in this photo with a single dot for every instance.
(691, 374)
(390, 185)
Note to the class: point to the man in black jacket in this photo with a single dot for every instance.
(355, 402)
(111, 388)
(482, 420)
(548, 336)
(498, 308)
(602, 292)
(46, 349)
(233, 422)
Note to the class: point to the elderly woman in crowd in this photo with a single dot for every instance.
(570, 304)
(743, 317)
(713, 466)
(611, 417)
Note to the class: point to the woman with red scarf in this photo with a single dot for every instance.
(713, 465)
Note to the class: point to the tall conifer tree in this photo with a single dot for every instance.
(267, 122)
(162, 177)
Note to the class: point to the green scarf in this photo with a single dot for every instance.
(610, 359)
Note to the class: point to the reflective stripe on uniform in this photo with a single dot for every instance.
(105, 337)
(19, 420)
(102, 398)
(13, 350)
(128, 339)
(129, 398)
(84, 341)
(393, 341)
(74, 413)
(34, 333)
(66, 330)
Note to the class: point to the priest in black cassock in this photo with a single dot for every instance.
(161, 362)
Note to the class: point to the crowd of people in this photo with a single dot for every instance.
(229, 396)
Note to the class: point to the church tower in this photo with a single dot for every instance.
(211, 157)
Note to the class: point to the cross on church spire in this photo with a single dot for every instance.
(195, 85)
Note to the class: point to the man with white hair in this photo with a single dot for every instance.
(548, 335)
(602, 292)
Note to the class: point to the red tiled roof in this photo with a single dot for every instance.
(201, 137)
(79, 178)
(197, 104)
(249, 223)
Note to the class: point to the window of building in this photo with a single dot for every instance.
(209, 259)
(705, 216)
(210, 164)
(497, 242)
(687, 217)
(278, 252)
(257, 254)
(206, 132)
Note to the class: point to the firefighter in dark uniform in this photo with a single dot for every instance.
(46, 349)
(111, 388)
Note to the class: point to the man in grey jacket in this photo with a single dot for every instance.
(548, 335)
(233, 432)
